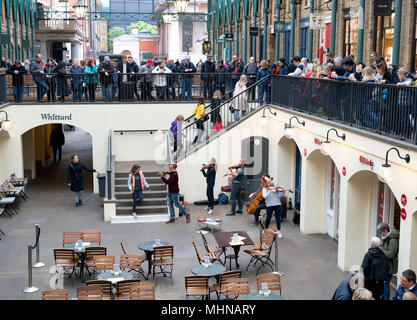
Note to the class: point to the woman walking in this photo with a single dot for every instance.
(136, 182)
(75, 178)
(240, 99)
(199, 116)
(210, 179)
(91, 80)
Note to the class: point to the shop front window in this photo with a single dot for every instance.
(351, 37)
(385, 36)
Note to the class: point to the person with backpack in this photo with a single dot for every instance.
(75, 178)
(135, 183)
(390, 245)
(375, 268)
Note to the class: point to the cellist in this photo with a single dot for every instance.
(261, 205)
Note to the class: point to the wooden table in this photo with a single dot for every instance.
(80, 252)
(223, 240)
(148, 247)
(258, 296)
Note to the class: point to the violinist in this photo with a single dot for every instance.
(210, 179)
(173, 190)
(272, 195)
(261, 205)
(235, 193)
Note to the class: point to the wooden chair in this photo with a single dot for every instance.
(262, 245)
(132, 262)
(105, 285)
(234, 287)
(212, 255)
(212, 249)
(71, 237)
(163, 257)
(66, 259)
(123, 288)
(142, 291)
(91, 252)
(93, 236)
(102, 263)
(262, 256)
(19, 190)
(1, 231)
(197, 286)
(90, 293)
(8, 204)
(272, 279)
(219, 286)
(55, 295)
(123, 248)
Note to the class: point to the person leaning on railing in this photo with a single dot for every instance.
(91, 78)
(36, 70)
(251, 70)
(161, 79)
(220, 77)
(17, 70)
(106, 71)
(77, 80)
(265, 85)
(63, 89)
(187, 80)
(50, 79)
(171, 79)
(146, 80)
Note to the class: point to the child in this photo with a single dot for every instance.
(218, 125)
(136, 182)
(199, 116)
(217, 100)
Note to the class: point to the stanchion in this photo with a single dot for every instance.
(38, 264)
(30, 288)
(276, 255)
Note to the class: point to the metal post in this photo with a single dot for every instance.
(254, 39)
(265, 37)
(277, 35)
(276, 255)
(292, 38)
(397, 32)
(38, 264)
(109, 160)
(333, 26)
(30, 288)
(360, 31)
(310, 35)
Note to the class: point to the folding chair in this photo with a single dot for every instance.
(163, 257)
(55, 295)
(197, 286)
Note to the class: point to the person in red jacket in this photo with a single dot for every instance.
(173, 190)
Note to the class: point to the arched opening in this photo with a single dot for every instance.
(413, 248)
(50, 175)
(368, 203)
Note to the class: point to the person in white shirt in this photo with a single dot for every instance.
(301, 65)
(161, 79)
(272, 195)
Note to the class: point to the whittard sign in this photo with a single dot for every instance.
(53, 116)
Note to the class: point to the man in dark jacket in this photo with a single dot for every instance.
(346, 288)
(17, 71)
(171, 79)
(408, 284)
(57, 140)
(207, 70)
(210, 176)
(36, 70)
(348, 66)
(236, 69)
(187, 80)
(283, 67)
(390, 245)
(124, 69)
(220, 77)
(3, 63)
(134, 78)
(251, 70)
(77, 79)
(338, 67)
(106, 70)
(375, 268)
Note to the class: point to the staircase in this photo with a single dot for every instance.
(154, 206)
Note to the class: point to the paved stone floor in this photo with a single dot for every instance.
(307, 261)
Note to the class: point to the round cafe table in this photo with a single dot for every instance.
(123, 275)
(80, 252)
(148, 247)
(258, 296)
(212, 271)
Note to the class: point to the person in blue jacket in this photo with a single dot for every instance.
(265, 85)
(283, 67)
(408, 283)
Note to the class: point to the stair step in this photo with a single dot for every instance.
(146, 195)
(145, 203)
(149, 179)
(140, 218)
(161, 209)
(154, 187)
(150, 183)
(145, 173)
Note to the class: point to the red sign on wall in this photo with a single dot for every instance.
(403, 214)
(318, 141)
(366, 161)
(305, 152)
(344, 171)
(403, 200)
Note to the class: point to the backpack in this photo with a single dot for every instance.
(379, 269)
(223, 199)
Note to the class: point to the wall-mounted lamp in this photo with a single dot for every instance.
(6, 124)
(325, 146)
(384, 172)
(264, 118)
(289, 130)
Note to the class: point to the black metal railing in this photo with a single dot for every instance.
(385, 109)
(126, 87)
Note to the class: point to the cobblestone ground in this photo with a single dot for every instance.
(309, 262)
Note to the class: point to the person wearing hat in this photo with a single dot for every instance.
(17, 70)
(146, 80)
(106, 71)
(187, 67)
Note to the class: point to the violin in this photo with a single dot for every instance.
(208, 166)
(277, 187)
(240, 165)
(162, 173)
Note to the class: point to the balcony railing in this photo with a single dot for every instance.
(59, 25)
(385, 109)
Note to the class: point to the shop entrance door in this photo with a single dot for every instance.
(387, 208)
(332, 211)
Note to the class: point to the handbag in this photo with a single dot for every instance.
(231, 108)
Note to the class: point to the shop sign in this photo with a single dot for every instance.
(279, 27)
(403, 200)
(344, 171)
(305, 152)
(403, 214)
(366, 161)
(318, 141)
(228, 37)
(4, 38)
(54, 116)
(351, 13)
(206, 47)
(305, 23)
(254, 31)
(382, 7)
(317, 21)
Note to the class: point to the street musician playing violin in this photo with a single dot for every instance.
(210, 179)
(235, 193)
(272, 194)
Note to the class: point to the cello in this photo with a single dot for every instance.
(257, 199)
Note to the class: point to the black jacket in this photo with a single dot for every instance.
(216, 113)
(207, 67)
(75, 176)
(61, 80)
(102, 68)
(210, 176)
(390, 77)
(236, 69)
(17, 78)
(183, 67)
(284, 70)
(129, 69)
(57, 137)
(371, 257)
(220, 76)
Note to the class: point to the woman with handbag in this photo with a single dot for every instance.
(75, 178)
(240, 101)
(200, 118)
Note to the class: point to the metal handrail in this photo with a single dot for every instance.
(109, 168)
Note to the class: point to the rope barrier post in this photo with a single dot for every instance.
(276, 255)
(30, 288)
(38, 264)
